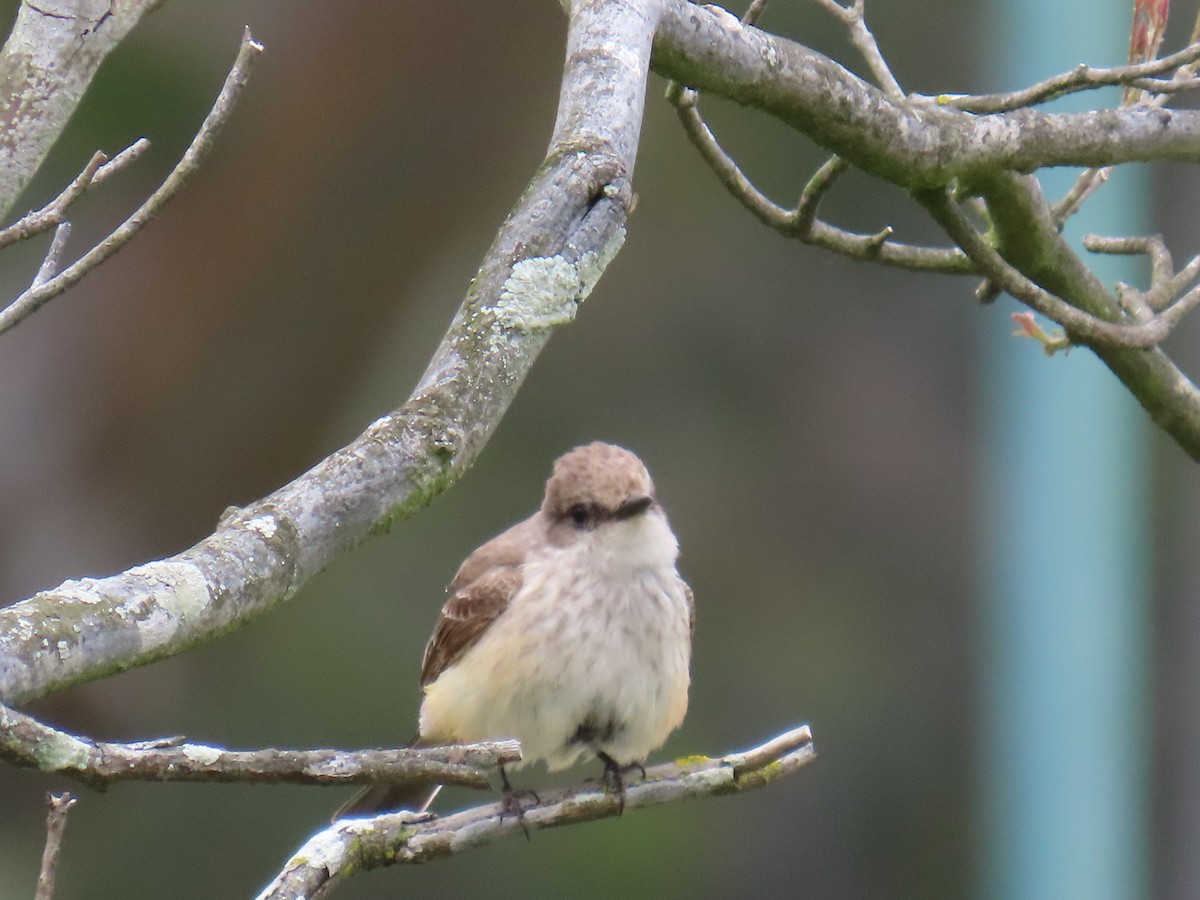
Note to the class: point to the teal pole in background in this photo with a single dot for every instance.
(1064, 587)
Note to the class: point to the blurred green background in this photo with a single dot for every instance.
(812, 426)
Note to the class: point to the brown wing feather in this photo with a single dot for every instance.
(465, 617)
(479, 593)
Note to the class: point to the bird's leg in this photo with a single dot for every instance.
(614, 776)
(510, 803)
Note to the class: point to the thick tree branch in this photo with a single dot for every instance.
(46, 65)
(24, 741)
(549, 253)
(350, 845)
(913, 145)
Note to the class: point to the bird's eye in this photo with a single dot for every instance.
(579, 514)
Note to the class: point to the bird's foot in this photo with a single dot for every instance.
(614, 777)
(510, 802)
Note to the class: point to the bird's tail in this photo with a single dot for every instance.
(381, 798)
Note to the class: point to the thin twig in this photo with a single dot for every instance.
(753, 12)
(350, 845)
(854, 17)
(52, 213)
(801, 223)
(1162, 268)
(1082, 78)
(56, 823)
(53, 257)
(26, 741)
(99, 168)
(1000, 273)
(814, 192)
(1088, 182)
(130, 154)
(31, 300)
(1165, 283)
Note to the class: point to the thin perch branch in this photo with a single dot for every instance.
(25, 741)
(53, 257)
(329, 856)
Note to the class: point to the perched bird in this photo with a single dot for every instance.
(570, 632)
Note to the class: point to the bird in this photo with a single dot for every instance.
(570, 632)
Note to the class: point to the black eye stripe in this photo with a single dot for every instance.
(589, 515)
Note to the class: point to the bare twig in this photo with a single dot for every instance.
(753, 12)
(1081, 78)
(1166, 285)
(32, 299)
(53, 257)
(99, 168)
(814, 192)
(1162, 269)
(1088, 182)
(801, 223)
(130, 154)
(56, 823)
(28, 742)
(331, 855)
(1081, 326)
(54, 212)
(854, 18)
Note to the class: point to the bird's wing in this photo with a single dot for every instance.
(479, 593)
(466, 616)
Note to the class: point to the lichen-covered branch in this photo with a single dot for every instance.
(350, 845)
(549, 253)
(24, 741)
(46, 65)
